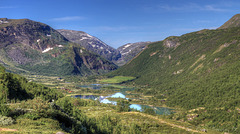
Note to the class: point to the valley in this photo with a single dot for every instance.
(97, 112)
(70, 81)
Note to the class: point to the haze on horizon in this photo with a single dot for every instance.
(124, 21)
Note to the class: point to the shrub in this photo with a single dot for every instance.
(38, 108)
(149, 111)
(6, 120)
(4, 110)
(123, 106)
(66, 105)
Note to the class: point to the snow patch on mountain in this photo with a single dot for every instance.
(92, 44)
(128, 45)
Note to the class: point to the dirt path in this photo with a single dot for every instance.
(164, 122)
(7, 129)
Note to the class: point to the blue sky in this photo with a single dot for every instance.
(117, 22)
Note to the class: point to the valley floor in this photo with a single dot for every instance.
(93, 116)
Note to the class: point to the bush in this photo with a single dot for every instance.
(6, 120)
(38, 108)
(123, 106)
(4, 110)
(149, 111)
(66, 104)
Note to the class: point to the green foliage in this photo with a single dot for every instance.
(15, 88)
(6, 120)
(233, 22)
(4, 109)
(117, 79)
(66, 104)
(123, 106)
(38, 108)
(203, 71)
(149, 111)
(2, 69)
(42, 125)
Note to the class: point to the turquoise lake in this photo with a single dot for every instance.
(121, 94)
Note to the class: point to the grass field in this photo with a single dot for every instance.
(117, 79)
(148, 123)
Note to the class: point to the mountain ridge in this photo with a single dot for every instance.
(192, 71)
(233, 22)
(177, 62)
(38, 48)
(129, 51)
(91, 43)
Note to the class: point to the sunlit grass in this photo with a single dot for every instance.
(117, 79)
(43, 126)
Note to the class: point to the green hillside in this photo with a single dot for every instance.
(233, 22)
(200, 56)
(199, 69)
(15, 88)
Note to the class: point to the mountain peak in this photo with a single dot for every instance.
(91, 43)
(233, 22)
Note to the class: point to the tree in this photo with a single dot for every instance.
(123, 106)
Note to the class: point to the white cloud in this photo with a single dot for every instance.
(68, 18)
(192, 7)
(212, 8)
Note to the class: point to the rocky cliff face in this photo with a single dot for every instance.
(171, 42)
(91, 43)
(30, 33)
(119, 56)
(36, 47)
(129, 51)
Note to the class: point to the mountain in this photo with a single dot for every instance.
(197, 71)
(129, 51)
(31, 46)
(91, 43)
(233, 22)
(119, 56)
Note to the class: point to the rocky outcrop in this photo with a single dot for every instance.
(91, 43)
(37, 35)
(129, 51)
(171, 42)
(119, 56)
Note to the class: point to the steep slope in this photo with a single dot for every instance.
(177, 61)
(91, 43)
(14, 88)
(233, 22)
(199, 69)
(129, 51)
(27, 45)
(119, 56)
